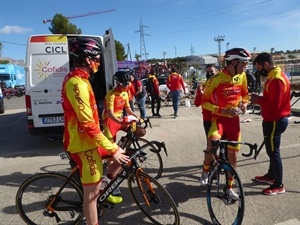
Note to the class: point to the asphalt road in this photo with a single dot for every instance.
(23, 155)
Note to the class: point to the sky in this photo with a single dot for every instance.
(171, 28)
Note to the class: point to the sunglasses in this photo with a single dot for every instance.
(96, 60)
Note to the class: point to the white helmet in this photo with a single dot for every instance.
(241, 54)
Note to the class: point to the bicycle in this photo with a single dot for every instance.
(53, 198)
(217, 197)
(149, 159)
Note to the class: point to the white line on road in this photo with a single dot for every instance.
(289, 222)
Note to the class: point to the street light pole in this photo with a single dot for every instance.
(219, 39)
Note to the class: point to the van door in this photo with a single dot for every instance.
(48, 64)
(110, 58)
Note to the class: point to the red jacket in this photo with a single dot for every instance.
(175, 82)
(275, 102)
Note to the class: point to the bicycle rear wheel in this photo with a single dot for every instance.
(35, 194)
(223, 209)
(161, 209)
(150, 159)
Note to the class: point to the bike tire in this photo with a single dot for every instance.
(151, 163)
(222, 209)
(19, 93)
(35, 193)
(162, 209)
(7, 95)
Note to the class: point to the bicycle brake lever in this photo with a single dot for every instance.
(253, 147)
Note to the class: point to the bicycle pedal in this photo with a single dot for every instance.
(107, 205)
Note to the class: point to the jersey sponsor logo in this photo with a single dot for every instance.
(78, 97)
(236, 79)
(91, 162)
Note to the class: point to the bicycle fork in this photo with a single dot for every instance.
(150, 190)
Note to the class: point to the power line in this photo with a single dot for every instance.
(226, 23)
(13, 43)
(85, 14)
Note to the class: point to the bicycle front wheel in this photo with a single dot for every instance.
(36, 193)
(150, 159)
(224, 208)
(153, 200)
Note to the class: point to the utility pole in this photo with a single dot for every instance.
(227, 46)
(219, 39)
(128, 52)
(143, 51)
(192, 50)
(175, 52)
(164, 54)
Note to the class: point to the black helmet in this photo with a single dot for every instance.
(123, 77)
(83, 47)
(241, 54)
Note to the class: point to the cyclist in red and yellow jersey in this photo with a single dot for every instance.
(115, 104)
(83, 138)
(222, 96)
(116, 100)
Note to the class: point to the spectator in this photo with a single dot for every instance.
(175, 84)
(82, 135)
(222, 95)
(251, 81)
(140, 95)
(154, 93)
(275, 110)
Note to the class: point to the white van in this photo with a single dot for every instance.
(47, 63)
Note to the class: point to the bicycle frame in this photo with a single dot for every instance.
(131, 168)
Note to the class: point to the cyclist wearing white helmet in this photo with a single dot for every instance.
(83, 138)
(222, 96)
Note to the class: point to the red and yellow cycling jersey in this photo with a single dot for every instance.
(224, 91)
(82, 131)
(115, 100)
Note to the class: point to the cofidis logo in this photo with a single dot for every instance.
(45, 69)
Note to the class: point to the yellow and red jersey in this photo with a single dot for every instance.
(275, 102)
(115, 100)
(175, 82)
(224, 91)
(81, 120)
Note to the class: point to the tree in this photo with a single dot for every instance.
(137, 57)
(60, 25)
(120, 51)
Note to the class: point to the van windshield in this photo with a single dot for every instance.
(4, 77)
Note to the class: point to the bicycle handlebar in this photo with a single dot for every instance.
(145, 123)
(252, 147)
